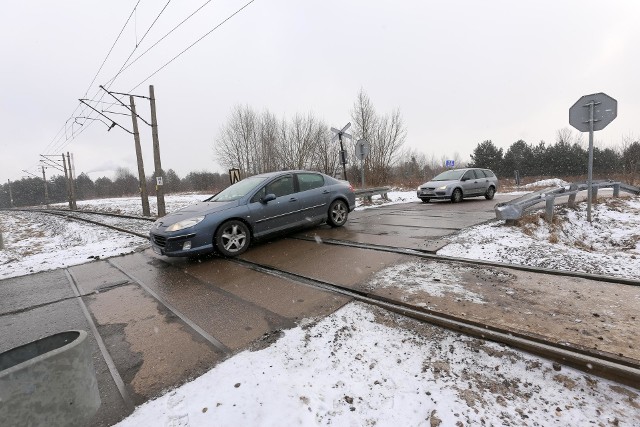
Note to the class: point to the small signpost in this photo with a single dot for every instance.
(343, 154)
(589, 114)
(449, 163)
(362, 151)
(234, 175)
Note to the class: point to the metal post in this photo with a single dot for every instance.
(1, 241)
(590, 167)
(143, 180)
(572, 197)
(548, 214)
(156, 153)
(616, 190)
(343, 158)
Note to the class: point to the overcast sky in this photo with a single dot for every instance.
(459, 71)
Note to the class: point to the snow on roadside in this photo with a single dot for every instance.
(37, 242)
(609, 245)
(364, 366)
(546, 183)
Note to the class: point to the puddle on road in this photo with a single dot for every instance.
(149, 344)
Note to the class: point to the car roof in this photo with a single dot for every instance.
(276, 173)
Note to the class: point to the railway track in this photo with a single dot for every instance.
(595, 362)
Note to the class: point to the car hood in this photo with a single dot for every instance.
(436, 184)
(196, 209)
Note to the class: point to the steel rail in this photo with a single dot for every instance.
(142, 218)
(477, 262)
(606, 365)
(69, 215)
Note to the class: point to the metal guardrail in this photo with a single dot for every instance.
(514, 209)
(367, 193)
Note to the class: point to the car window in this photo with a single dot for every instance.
(469, 175)
(309, 181)
(488, 173)
(280, 187)
(450, 175)
(478, 173)
(237, 190)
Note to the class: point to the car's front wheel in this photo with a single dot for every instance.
(456, 196)
(490, 193)
(232, 238)
(338, 212)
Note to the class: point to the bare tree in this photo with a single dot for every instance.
(385, 134)
(568, 136)
(237, 144)
(327, 151)
(297, 141)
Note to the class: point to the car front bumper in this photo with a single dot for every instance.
(180, 246)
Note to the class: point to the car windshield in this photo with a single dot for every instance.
(449, 175)
(237, 190)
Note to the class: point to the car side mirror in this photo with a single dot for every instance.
(464, 178)
(269, 197)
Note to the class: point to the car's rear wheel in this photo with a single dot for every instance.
(425, 199)
(490, 193)
(338, 213)
(232, 238)
(456, 196)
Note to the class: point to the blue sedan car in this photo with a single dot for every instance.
(254, 208)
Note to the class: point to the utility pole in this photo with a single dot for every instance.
(10, 193)
(72, 184)
(156, 154)
(143, 180)
(66, 175)
(46, 191)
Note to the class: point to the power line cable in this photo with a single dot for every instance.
(192, 44)
(163, 37)
(55, 139)
(90, 113)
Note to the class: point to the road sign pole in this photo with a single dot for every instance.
(362, 171)
(590, 166)
(344, 163)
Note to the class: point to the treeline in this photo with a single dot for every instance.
(30, 191)
(567, 157)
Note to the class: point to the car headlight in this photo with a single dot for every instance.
(444, 187)
(418, 189)
(185, 223)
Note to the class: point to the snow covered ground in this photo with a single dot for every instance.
(363, 366)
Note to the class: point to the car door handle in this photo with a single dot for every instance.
(293, 199)
(326, 192)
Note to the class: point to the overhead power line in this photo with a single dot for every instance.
(192, 44)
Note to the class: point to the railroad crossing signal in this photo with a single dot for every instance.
(343, 155)
(234, 175)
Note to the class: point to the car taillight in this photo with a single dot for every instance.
(351, 188)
